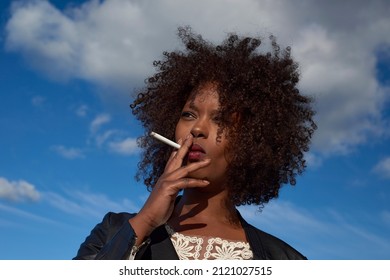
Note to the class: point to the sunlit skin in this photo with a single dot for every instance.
(198, 118)
(199, 168)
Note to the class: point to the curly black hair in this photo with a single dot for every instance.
(273, 124)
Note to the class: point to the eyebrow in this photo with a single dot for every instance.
(195, 108)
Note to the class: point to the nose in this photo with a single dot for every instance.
(200, 129)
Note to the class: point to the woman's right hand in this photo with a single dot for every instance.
(160, 203)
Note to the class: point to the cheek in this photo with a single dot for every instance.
(222, 158)
(180, 131)
(176, 135)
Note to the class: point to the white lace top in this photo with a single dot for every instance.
(208, 248)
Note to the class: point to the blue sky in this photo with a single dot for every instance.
(67, 147)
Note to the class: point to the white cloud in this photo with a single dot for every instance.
(113, 43)
(125, 147)
(287, 215)
(99, 121)
(383, 168)
(349, 99)
(385, 215)
(38, 101)
(99, 42)
(114, 140)
(68, 153)
(87, 204)
(313, 160)
(18, 190)
(17, 218)
(82, 110)
(103, 137)
(319, 233)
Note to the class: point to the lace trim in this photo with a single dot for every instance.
(208, 248)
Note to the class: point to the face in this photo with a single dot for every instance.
(199, 119)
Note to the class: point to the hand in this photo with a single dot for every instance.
(160, 204)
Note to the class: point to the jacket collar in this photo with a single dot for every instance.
(161, 246)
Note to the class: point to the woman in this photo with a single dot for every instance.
(242, 126)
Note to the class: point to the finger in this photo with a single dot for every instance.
(177, 158)
(187, 183)
(173, 154)
(185, 170)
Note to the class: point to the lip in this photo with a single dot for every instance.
(196, 153)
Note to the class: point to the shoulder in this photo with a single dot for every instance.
(109, 239)
(116, 219)
(278, 249)
(111, 224)
(267, 246)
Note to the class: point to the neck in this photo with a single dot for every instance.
(203, 207)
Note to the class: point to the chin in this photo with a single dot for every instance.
(198, 174)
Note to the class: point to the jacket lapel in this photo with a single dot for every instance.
(254, 240)
(161, 247)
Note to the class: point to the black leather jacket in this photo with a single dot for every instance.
(113, 239)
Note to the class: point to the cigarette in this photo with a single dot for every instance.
(164, 140)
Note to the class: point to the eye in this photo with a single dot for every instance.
(216, 117)
(187, 115)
